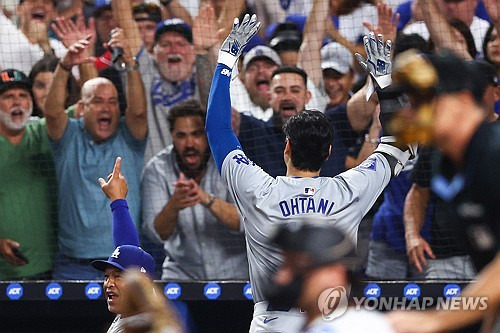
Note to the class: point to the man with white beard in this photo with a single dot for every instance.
(27, 193)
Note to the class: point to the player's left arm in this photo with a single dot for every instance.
(220, 135)
(378, 64)
(116, 188)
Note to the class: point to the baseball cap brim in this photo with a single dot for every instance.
(101, 265)
(17, 84)
(341, 68)
(286, 42)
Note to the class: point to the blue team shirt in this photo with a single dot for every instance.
(84, 216)
(388, 224)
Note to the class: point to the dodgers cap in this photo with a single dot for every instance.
(176, 25)
(128, 256)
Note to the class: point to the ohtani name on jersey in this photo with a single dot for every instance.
(303, 205)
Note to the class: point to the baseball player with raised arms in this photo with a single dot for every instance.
(264, 201)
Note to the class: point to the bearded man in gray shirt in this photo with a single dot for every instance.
(188, 208)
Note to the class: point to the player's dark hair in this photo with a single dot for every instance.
(188, 108)
(310, 134)
(456, 75)
(293, 70)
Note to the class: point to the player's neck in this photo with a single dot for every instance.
(294, 172)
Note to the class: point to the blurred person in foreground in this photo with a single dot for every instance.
(153, 311)
(316, 276)
(444, 111)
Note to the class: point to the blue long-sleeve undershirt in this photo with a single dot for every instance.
(220, 135)
(124, 231)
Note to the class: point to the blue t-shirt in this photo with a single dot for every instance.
(388, 226)
(84, 215)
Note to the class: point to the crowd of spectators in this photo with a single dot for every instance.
(85, 81)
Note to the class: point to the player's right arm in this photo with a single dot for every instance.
(220, 135)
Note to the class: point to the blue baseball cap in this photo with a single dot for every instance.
(101, 3)
(176, 25)
(128, 256)
(100, 6)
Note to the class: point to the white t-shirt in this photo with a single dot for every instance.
(17, 52)
(478, 29)
(351, 25)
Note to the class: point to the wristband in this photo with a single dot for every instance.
(211, 201)
(67, 69)
(132, 68)
(371, 140)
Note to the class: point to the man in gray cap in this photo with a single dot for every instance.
(251, 95)
(338, 73)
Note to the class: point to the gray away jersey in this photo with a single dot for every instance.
(265, 202)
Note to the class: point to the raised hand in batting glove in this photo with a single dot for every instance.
(239, 36)
(378, 59)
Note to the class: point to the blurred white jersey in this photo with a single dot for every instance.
(353, 321)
